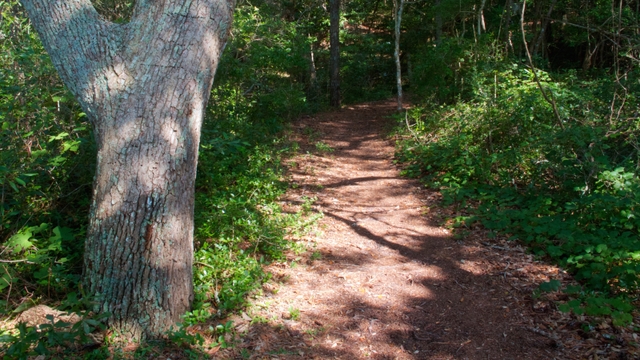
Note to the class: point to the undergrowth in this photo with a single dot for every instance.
(565, 185)
(47, 156)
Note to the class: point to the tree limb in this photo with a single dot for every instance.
(78, 40)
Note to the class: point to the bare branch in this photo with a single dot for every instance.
(551, 100)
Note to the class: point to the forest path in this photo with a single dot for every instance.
(384, 281)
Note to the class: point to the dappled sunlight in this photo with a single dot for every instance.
(382, 281)
(144, 86)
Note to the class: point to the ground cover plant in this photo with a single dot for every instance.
(48, 161)
(538, 143)
(565, 184)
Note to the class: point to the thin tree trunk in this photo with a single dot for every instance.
(481, 24)
(398, 7)
(312, 90)
(334, 39)
(438, 23)
(508, 12)
(144, 86)
(543, 27)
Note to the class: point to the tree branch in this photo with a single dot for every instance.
(77, 39)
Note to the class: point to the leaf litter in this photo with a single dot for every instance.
(385, 278)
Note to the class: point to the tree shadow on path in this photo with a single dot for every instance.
(384, 281)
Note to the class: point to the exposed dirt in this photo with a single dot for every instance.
(385, 281)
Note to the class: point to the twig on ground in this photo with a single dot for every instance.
(553, 337)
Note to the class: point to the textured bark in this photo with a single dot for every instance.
(334, 40)
(144, 86)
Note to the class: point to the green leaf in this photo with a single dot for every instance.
(60, 136)
(55, 242)
(573, 289)
(92, 322)
(621, 318)
(86, 328)
(600, 248)
(13, 186)
(61, 324)
(554, 251)
(552, 285)
(7, 339)
(24, 306)
(41, 273)
(6, 277)
(621, 305)
(70, 146)
(20, 241)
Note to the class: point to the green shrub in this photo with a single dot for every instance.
(567, 187)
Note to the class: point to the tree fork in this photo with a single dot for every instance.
(144, 86)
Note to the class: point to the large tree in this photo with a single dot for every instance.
(144, 86)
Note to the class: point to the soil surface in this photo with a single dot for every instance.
(383, 277)
(384, 280)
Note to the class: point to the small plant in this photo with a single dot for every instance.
(294, 314)
(316, 255)
(245, 353)
(554, 181)
(42, 339)
(182, 338)
(259, 320)
(313, 332)
(307, 204)
(197, 315)
(323, 147)
(224, 333)
(311, 133)
(298, 248)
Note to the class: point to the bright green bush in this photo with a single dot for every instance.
(46, 162)
(567, 187)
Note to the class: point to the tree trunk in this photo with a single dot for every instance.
(334, 39)
(144, 86)
(398, 6)
(508, 12)
(543, 27)
(481, 24)
(312, 89)
(438, 22)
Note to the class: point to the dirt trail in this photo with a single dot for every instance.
(385, 282)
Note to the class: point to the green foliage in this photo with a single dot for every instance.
(366, 71)
(47, 162)
(294, 314)
(26, 341)
(324, 148)
(568, 187)
(46, 153)
(239, 223)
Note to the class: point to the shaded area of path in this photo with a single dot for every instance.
(384, 281)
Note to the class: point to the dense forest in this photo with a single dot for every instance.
(524, 115)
